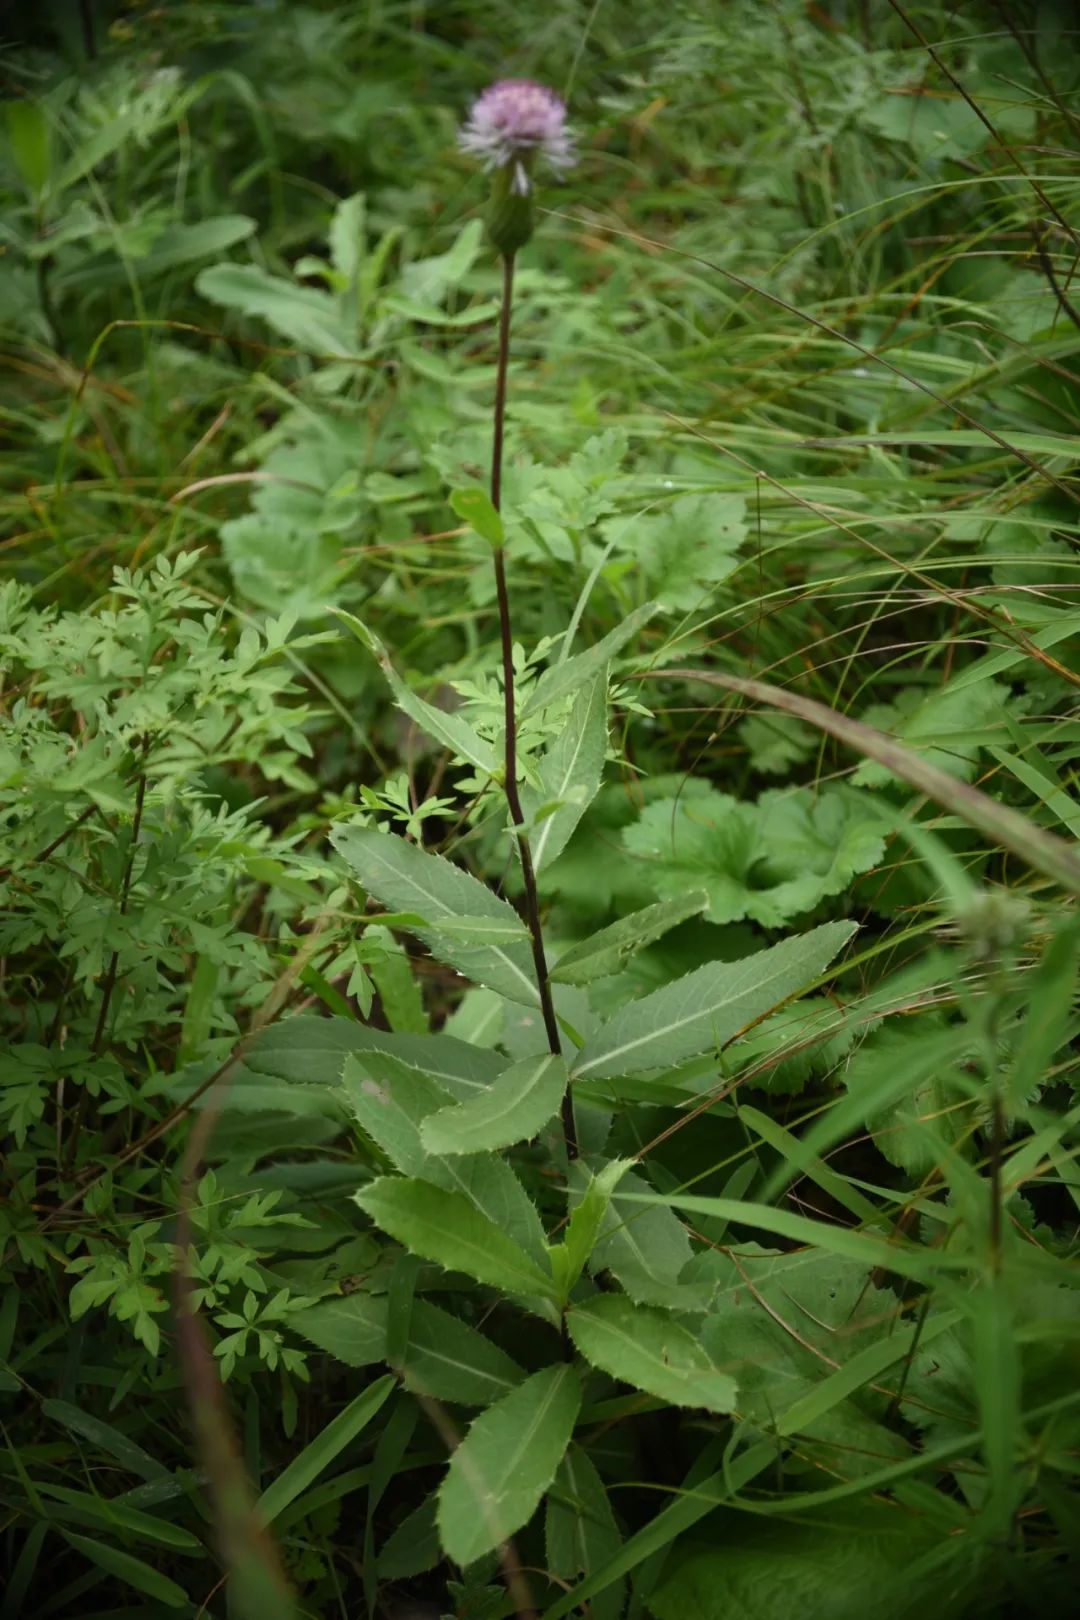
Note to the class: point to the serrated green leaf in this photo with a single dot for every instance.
(580, 1530)
(516, 1106)
(506, 1462)
(607, 952)
(570, 773)
(708, 1007)
(443, 1226)
(651, 1350)
(313, 1050)
(305, 316)
(486, 930)
(768, 862)
(406, 878)
(946, 727)
(688, 546)
(566, 677)
(996, 821)
(449, 729)
(444, 1356)
(391, 1101)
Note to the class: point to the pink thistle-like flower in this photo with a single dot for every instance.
(512, 123)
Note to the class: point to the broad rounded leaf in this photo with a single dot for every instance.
(768, 862)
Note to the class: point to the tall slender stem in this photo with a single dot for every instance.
(513, 797)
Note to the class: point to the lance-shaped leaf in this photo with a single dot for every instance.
(562, 679)
(568, 1258)
(506, 1462)
(516, 1106)
(443, 1226)
(313, 1050)
(607, 952)
(570, 772)
(709, 1006)
(444, 1356)
(406, 878)
(651, 1350)
(449, 729)
(391, 1101)
(645, 1247)
(581, 1533)
(469, 930)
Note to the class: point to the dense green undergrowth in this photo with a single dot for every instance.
(759, 1296)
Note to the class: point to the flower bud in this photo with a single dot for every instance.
(511, 127)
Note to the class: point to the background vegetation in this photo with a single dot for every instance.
(793, 398)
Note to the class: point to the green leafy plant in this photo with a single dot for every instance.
(539, 1024)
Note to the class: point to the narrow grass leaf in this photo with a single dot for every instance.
(321, 1452)
(126, 1452)
(862, 1368)
(906, 1259)
(128, 1569)
(690, 1506)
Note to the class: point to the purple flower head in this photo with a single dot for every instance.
(512, 123)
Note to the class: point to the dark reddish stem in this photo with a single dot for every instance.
(513, 797)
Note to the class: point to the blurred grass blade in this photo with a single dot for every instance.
(130, 1570)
